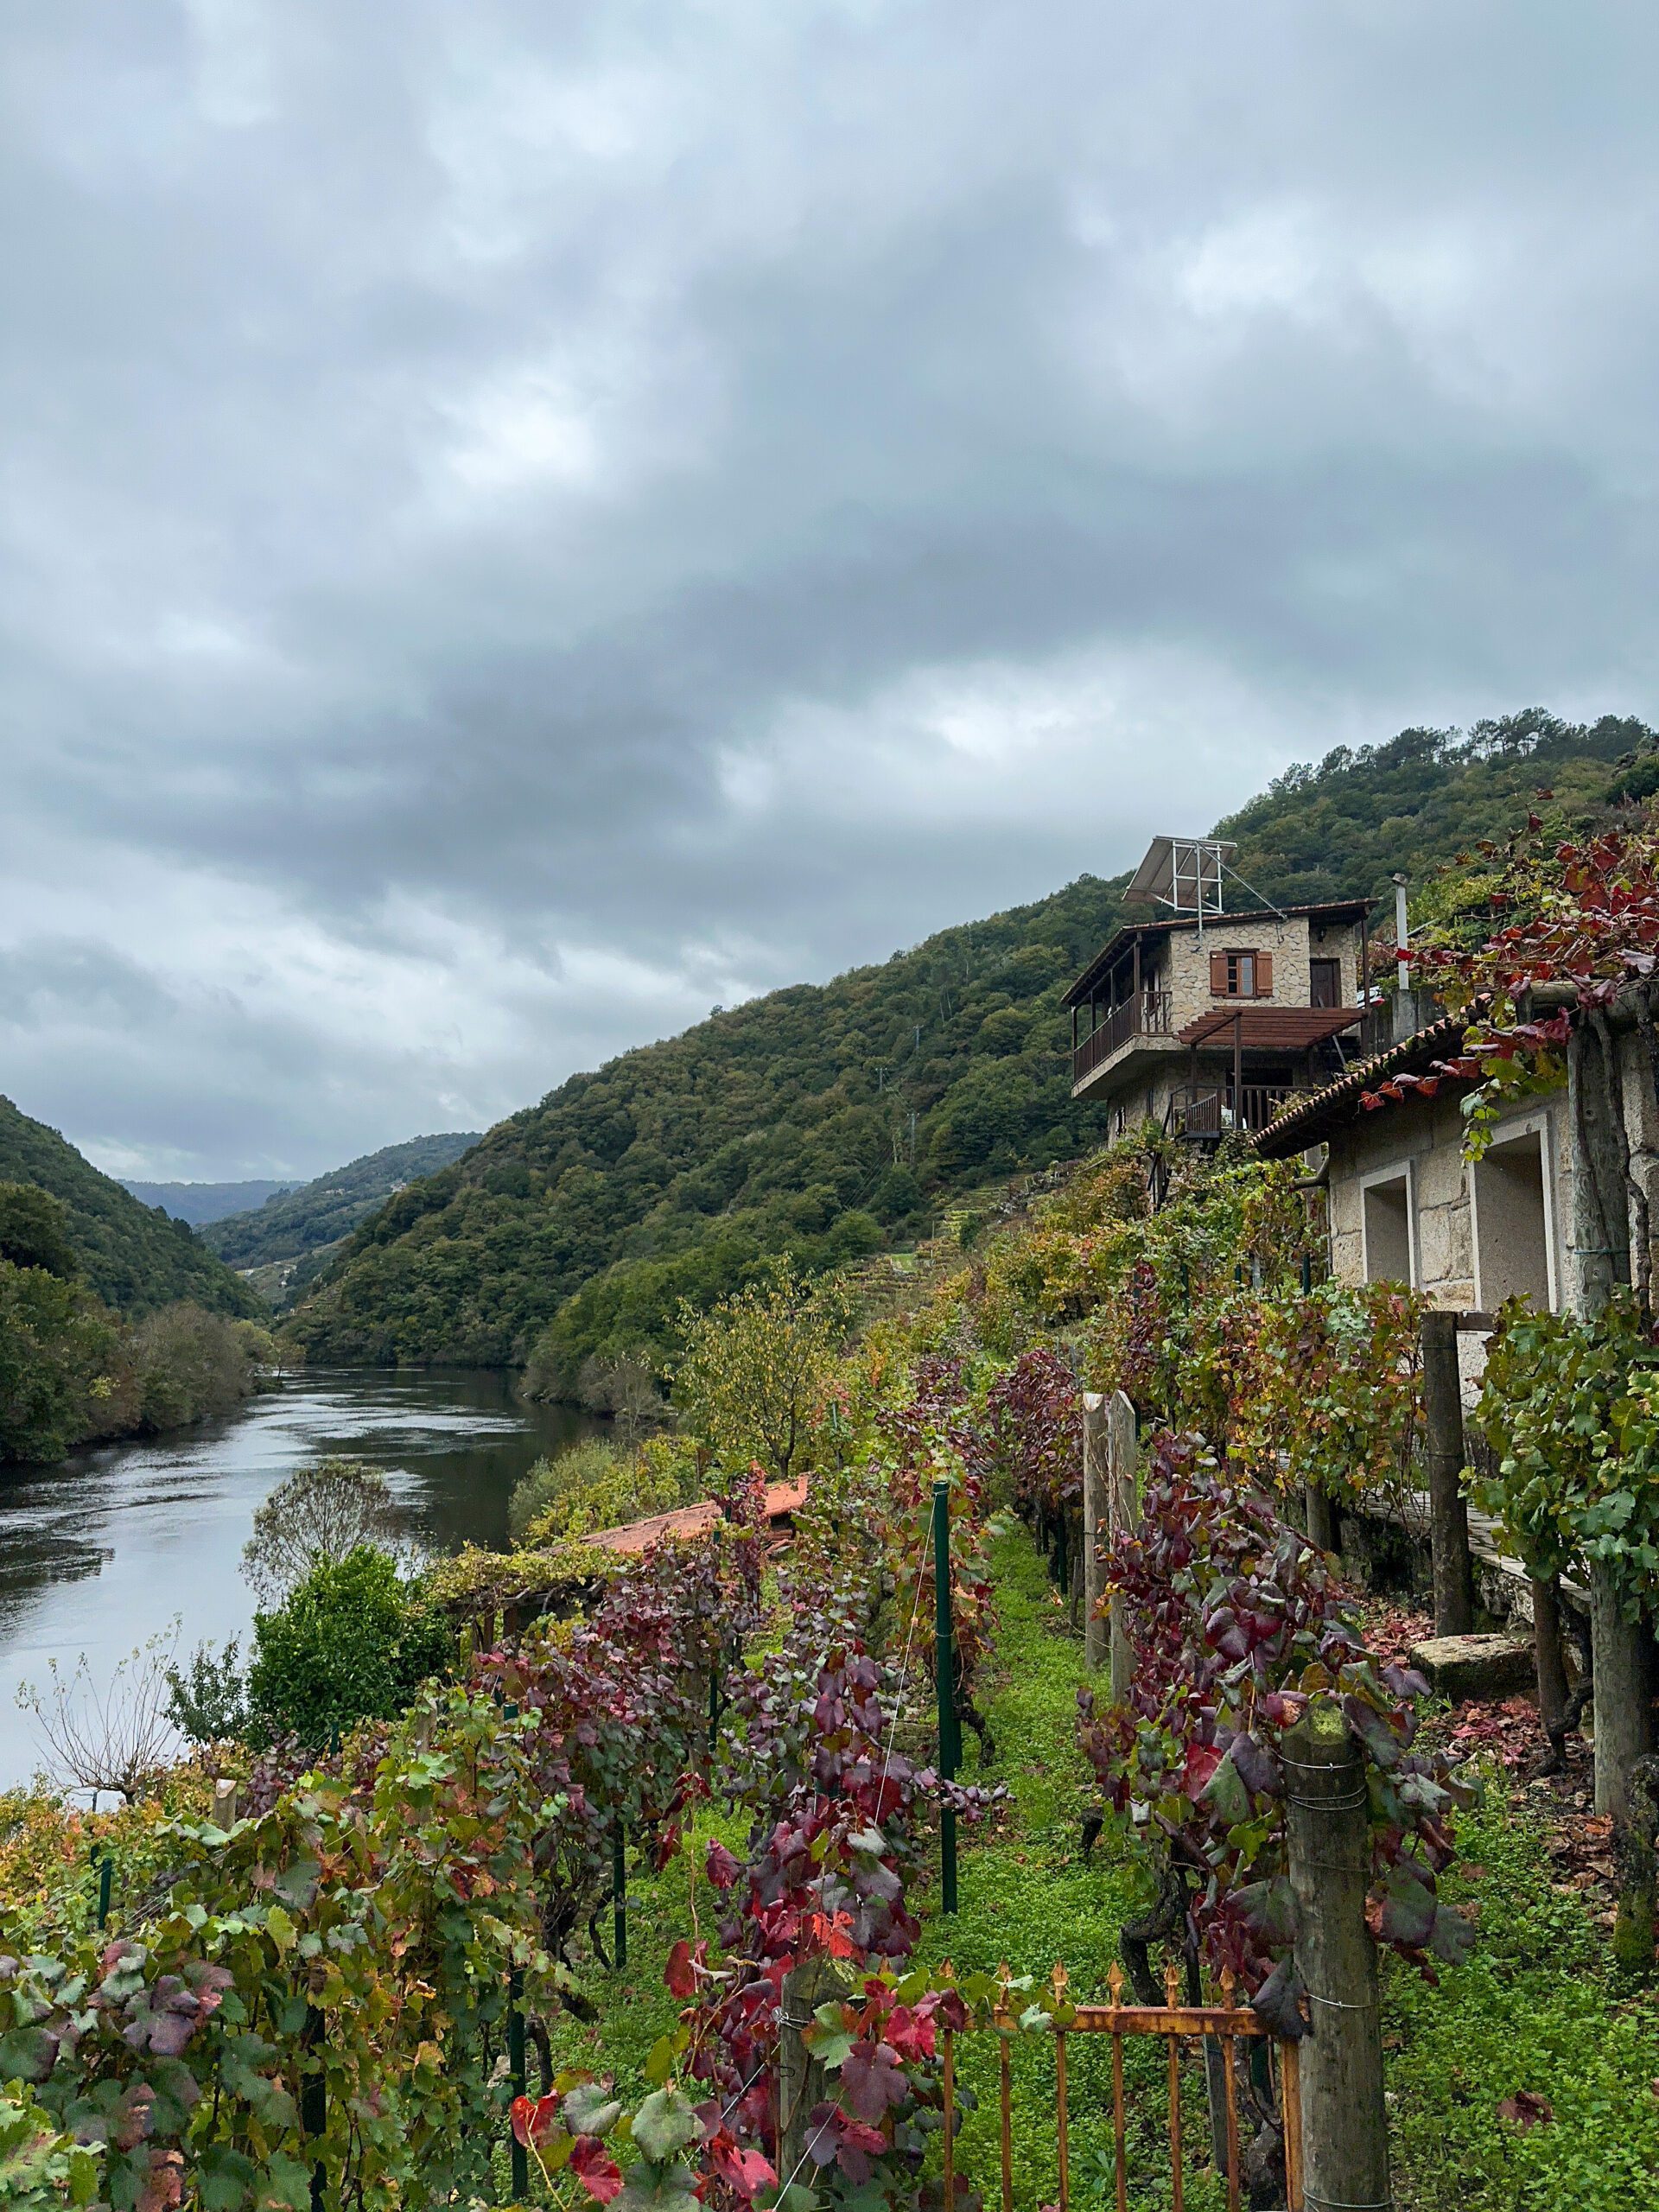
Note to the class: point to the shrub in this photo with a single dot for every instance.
(207, 1700)
(352, 1643)
(320, 1513)
(579, 1467)
(112, 1737)
(593, 1485)
(1236, 1624)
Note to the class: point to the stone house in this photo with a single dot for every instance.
(1212, 1022)
(1402, 1203)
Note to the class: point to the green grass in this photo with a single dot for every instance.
(1534, 2008)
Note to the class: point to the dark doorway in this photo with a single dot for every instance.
(1324, 982)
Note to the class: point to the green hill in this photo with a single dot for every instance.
(201, 1202)
(829, 1120)
(300, 1224)
(135, 1257)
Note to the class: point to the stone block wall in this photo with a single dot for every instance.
(1294, 943)
(1425, 1139)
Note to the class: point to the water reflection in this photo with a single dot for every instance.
(107, 1550)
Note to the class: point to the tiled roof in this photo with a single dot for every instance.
(1315, 1115)
(783, 1499)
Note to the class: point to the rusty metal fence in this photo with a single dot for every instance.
(1224, 2026)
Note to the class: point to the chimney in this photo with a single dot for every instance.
(1405, 999)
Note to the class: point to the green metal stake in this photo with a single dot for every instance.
(516, 2067)
(619, 1889)
(945, 1669)
(1307, 1273)
(106, 1866)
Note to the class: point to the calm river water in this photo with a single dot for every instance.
(101, 1553)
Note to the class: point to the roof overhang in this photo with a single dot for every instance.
(1315, 1118)
(1270, 1028)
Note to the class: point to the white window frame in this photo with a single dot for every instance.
(1540, 1123)
(1392, 1174)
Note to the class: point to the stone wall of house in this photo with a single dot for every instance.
(1293, 941)
(1424, 1137)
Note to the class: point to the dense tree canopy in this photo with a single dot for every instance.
(823, 1121)
(135, 1257)
(293, 1222)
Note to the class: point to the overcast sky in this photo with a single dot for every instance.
(519, 521)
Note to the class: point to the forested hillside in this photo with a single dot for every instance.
(201, 1202)
(300, 1221)
(826, 1121)
(136, 1258)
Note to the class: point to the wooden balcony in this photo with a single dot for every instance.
(1146, 1014)
(1205, 1112)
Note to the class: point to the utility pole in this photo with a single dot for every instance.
(1405, 1012)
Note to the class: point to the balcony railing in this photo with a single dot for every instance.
(1205, 1111)
(1146, 1015)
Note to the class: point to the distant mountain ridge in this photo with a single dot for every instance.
(137, 1258)
(825, 1121)
(292, 1227)
(201, 1202)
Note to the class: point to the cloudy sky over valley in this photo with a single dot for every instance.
(520, 522)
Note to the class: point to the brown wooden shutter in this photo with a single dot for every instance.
(1219, 974)
(1264, 974)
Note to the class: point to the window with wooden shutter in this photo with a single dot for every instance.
(1241, 975)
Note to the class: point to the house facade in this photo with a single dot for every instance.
(1402, 1203)
(1213, 1022)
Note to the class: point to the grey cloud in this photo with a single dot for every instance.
(452, 456)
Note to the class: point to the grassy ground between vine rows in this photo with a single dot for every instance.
(1535, 2009)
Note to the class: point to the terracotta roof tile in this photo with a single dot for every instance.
(783, 1499)
(1311, 1118)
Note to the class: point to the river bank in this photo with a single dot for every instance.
(106, 1549)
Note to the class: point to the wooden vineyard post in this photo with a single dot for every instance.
(1321, 1519)
(802, 2083)
(1124, 1509)
(314, 2096)
(619, 1890)
(516, 2069)
(944, 1670)
(1345, 2122)
(1097, 1516)
(1454, 1581)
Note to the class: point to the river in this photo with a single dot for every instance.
(109, 1548)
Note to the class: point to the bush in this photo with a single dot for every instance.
(353, 1642)
(593, 1485)
(320, 1513)
(208, 1698)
